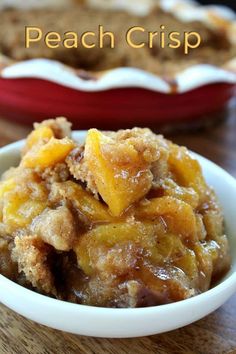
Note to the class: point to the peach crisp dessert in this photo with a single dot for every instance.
(124, 220)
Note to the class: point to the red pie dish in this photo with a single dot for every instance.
(197, 90)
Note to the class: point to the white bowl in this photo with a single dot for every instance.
(121, 323)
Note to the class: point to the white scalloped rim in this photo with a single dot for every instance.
(121, 77)
(189, 79)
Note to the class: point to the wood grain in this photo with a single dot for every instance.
(215, 334)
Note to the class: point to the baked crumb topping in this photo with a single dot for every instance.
(125, 219)
(216, 47)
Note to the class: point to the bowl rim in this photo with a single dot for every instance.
(221, 287)
(121, 77)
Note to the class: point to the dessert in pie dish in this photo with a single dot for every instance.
(217, 47)
(124, 219)
(150, 86)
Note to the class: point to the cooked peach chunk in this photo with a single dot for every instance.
(188, 195)
(178, 215)
(19, 210)
(120, 180)
(205, 264)
(41, 135)
(188, 264)
(186, 170)
(213, 221)
(24, 197)
(143, 235)
(53, 152)
(6, 186)
(83, 201)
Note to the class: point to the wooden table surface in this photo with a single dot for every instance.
(215, 334)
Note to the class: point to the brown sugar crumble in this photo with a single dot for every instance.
(215, 49)
(125, 219)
